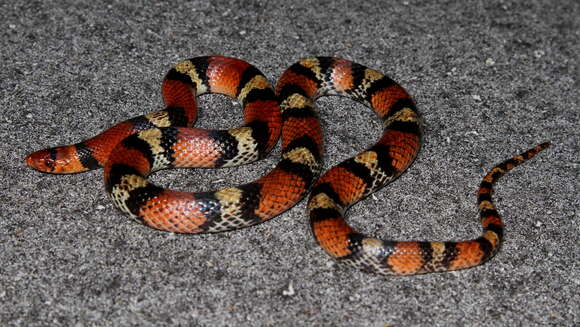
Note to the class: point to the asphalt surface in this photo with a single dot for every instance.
(490, 78)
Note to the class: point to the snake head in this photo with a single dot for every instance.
(57, 160)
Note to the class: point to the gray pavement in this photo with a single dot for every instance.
(491, 79)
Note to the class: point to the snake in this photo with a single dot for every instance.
(131, 150)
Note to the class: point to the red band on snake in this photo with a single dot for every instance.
(133, 149)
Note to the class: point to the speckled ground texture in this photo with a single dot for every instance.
(491, 79)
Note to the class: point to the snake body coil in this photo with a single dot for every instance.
(133, 149)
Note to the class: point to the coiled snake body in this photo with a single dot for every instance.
(133, 149)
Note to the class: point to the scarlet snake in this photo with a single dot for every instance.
(131, 150)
